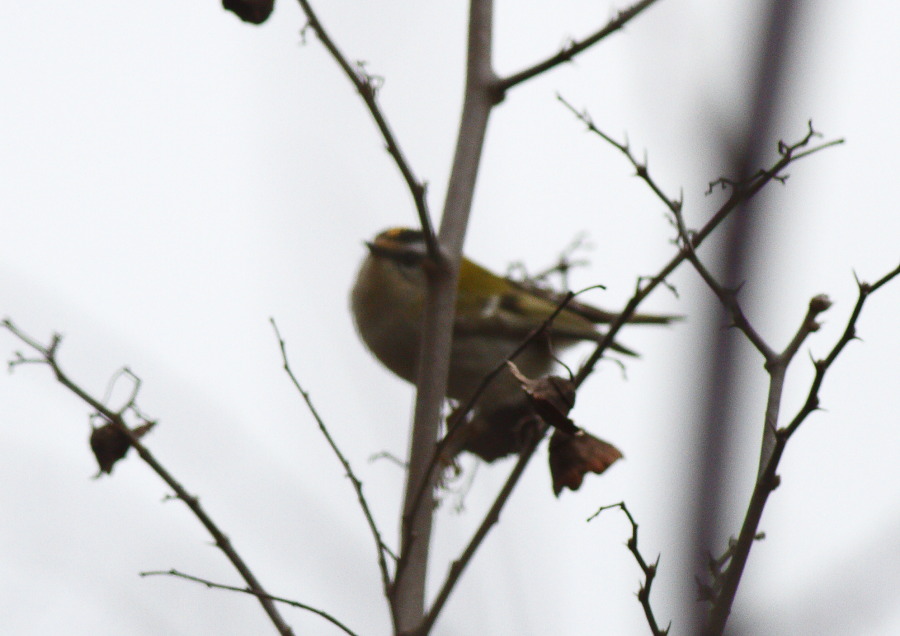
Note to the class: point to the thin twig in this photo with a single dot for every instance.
(440, 451)
(639, 166)
(812, 400)
(727, 297)
(116, 419)
(491, 518)
(649, 569)
(367, 89)
(740, 192)
(279, 599)
(768, 479)
(380, 546)
(524, 456)
(573, 48)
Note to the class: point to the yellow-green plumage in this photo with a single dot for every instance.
(493, 317)
(511, 310)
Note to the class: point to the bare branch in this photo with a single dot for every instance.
(244, 590)
(574, 48)
(768, 479)
(639, 166)
(740, 192)
(822, 366)
(408, 600)
(728, 297)
(380, 546)
(649, 569)
(367, 87)
(115, 418)
(491, 518)
(445, 449)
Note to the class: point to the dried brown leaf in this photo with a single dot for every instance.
(573, 456)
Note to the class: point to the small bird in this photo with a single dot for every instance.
(493, 317)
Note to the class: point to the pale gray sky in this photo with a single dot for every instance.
(173, 179)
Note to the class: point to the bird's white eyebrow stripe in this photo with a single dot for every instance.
(491, 306)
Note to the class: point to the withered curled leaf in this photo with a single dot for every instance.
(573, 456)
(552, 398)
(110, 444)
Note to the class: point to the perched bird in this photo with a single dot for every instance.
(493, 316)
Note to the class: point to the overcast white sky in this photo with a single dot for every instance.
(172, 178)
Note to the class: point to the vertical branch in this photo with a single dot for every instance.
(408, 594)
(777, 374)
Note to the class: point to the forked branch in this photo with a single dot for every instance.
(768, 479)
(116, 419)
(649, 569)
(740, 192)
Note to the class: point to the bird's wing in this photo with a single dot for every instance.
(504, 309)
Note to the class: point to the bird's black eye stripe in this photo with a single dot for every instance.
(400, 255)
(408, 258)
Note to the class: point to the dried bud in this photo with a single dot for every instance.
(572, 456)
(819, 303)
(110, 444)
(253, 11)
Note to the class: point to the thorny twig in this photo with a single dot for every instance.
(740, 192)
(116, 419)
(776, 364)
(721, 592)
(367, 86)
(649, 569)
(573, 48)
(724, 584)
